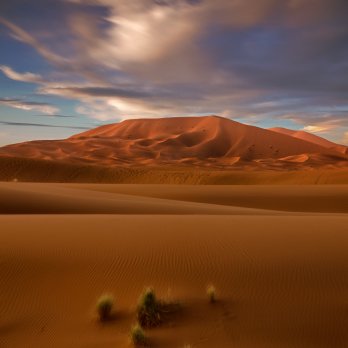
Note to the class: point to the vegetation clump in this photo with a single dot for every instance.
(138, 336)
(148, 311)
(105, 306)
(211, 293)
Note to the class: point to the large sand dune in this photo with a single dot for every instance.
(280, 267)
(209, 141)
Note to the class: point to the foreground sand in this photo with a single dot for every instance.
(281, 272)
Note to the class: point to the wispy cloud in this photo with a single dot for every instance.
(29, 105)
(21, 35)
(27, 124)
(57, 116)
(24, 77)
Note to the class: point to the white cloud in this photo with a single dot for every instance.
(24, 77)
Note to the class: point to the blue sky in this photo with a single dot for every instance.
(68, 65)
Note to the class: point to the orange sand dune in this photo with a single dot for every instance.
(192, 141)
(312, 138)
(19, 198)
(32, 198)
(300, 198)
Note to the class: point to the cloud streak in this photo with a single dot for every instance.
(21, 35)
(27, 124)
(23, 77)
(29, 106)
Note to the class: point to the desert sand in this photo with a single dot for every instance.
(277, 256)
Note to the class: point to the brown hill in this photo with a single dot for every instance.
(201, 141)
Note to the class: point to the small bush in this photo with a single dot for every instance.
(105, 305)
(138, 336)
(211, 293)
(148, 311)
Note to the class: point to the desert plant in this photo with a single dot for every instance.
(138, 336)
(148, 311)
(105, 305)
(211, 293)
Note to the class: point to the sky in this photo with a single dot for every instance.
(71, 65)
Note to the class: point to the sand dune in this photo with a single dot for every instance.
(58, 199)
(21, 198)
(193, 141)
(312, 138)
(308, 198)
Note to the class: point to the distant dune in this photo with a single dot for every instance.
(141, 150)
(312, 138)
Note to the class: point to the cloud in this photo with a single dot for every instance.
(318, 128)
(21, 35)
(24, 77)
(26, 124)
(29, 105)
(58, 116)
(95, 92)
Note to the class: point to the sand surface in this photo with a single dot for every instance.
(276, 254)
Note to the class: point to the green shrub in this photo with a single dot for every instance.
(105, 305)
(138, 336)
(148, 311)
